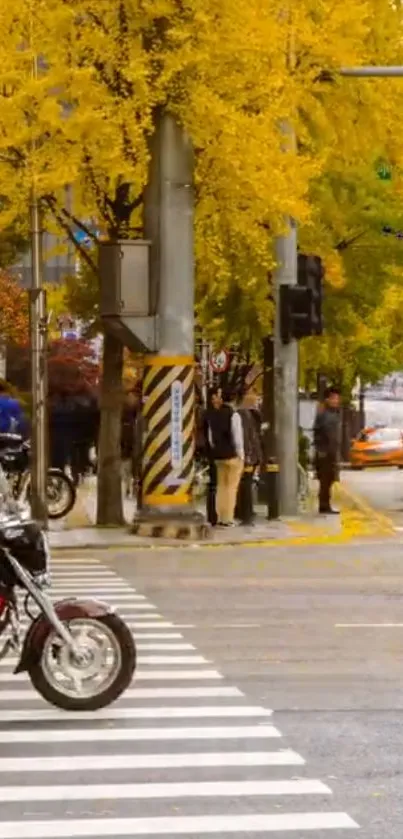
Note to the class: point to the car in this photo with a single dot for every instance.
(377, 446)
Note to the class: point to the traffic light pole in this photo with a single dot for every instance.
(270, 482)
(286, 354)
(286, 376)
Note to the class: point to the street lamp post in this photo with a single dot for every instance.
(38, 341)
(38, 328)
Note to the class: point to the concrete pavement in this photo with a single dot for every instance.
(358, 520)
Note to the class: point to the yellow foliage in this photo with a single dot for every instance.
(233, 73)
(57, 307)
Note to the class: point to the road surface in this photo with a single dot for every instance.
(313, 635)
(382, 489)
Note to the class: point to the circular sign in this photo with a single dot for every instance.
(219, 361)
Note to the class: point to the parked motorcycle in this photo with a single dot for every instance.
(79, 654)
(15, 455)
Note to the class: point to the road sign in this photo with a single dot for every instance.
(82, 238)
(176, 425)
(219, 361)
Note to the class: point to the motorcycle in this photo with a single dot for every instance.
(15, 459)
(79, 654)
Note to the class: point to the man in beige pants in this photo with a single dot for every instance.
(227, 446)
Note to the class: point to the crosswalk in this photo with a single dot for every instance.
(182, 753)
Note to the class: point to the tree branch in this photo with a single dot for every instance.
(67, 214)
(346, 243)
(51, 203)
(101, 198)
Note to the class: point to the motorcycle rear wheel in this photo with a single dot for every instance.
(60, 483)
(66, 487)
(44, 683)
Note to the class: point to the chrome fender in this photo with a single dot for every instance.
(41, 627)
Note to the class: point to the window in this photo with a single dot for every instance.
(386, 435)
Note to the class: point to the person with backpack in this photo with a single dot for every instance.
(226, 442)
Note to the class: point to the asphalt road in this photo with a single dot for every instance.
(381, 488)
(273, 623)
(224, 638)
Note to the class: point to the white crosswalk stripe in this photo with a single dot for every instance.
(169, 758)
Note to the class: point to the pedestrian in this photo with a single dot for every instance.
(61, 429)
(129, 413)
(12, 420)
(327, 438)
(214, 403)
(225, 435)
(85, 432)
(252, 458)
(139, 435)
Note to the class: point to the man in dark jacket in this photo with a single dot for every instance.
(214, 403)
(327, 447)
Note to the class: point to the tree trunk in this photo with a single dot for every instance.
(109, 501)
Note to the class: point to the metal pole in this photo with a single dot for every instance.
(270, 481)
(286, 378)
(286, 355)
(371, 72)
(38, 340)
(169, 396)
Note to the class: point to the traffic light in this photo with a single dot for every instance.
(301, 305)
(310, 276)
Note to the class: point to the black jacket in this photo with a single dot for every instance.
(219, 422)
(327, 433)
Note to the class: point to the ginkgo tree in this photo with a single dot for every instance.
(357, 218)
(233, 73)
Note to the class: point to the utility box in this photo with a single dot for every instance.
(125, 300)
(124, 278)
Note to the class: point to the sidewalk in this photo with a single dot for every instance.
(357, 520)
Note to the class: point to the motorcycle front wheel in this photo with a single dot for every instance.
(104, 670)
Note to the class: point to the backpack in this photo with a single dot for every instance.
(252, 444)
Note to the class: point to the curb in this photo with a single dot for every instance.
(314, 537)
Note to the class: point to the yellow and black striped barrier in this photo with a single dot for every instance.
(168, 449)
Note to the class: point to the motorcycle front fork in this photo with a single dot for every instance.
(45, 604)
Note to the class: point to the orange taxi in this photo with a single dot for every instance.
(377, 446)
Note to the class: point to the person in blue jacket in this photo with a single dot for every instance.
(12, 418)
